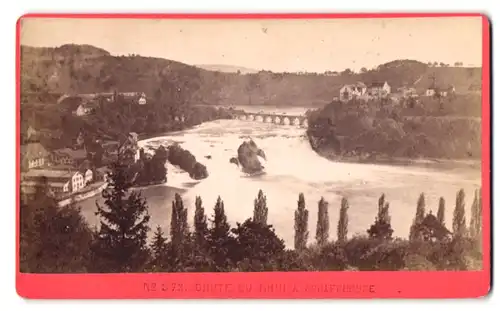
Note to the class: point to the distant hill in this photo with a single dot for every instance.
(86, 69)
(228, 68)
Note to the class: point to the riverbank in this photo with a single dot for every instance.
(92, 191)
(400, 161)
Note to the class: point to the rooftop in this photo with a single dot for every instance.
(49, 173)
(33, 150)
(51, 183)
(377, 84)
(75, 154)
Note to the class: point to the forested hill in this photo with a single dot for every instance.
(88, 69)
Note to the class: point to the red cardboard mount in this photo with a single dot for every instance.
(271, 285)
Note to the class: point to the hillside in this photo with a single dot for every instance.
(87, 69)
(228, 69)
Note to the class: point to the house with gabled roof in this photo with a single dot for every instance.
(379, 89)
(61, 180)
(68, 156)
(33, 155)
(350, 91)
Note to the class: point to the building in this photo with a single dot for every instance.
(67, 156)
(30, 132)
(350, 91)
(34, 155)
(84, 109)
(142, 99)
(378, 89)
(443, 92)
(407, 92)
(88, 176)
(430, 92)
(58, 180)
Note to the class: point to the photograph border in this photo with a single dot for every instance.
(271, 285)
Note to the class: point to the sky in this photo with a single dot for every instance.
(314, 45)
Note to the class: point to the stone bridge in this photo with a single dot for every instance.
(277, 119)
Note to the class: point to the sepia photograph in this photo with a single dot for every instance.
(250, 145)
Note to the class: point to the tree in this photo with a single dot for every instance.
(323, 226)
(459, 226)
(441, 210)
(381, 228)
(301, 224)
(343, 221)
(159, 249)
(200, 224)
(347, 71)
(121, 241)
(219, 238)
(260, 209)
(178, 226)
(52, 239)
(363, 69)
(475, 221)
(419, 217)
(256, 243)
(431, 229)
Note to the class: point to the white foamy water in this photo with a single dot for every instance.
(291, 168)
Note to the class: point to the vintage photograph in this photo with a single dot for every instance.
(246, 145)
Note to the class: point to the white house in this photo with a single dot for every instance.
(350, 91)
(34, 155)
(83, 110)
(430, 92)
(379, 89)
(88, 176)
(57, 180)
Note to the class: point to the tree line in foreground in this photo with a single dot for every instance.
(58, 240)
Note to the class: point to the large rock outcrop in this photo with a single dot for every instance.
(186, 161)
(247, 158)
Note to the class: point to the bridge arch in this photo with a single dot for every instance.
(269, 119)
(277, 120)
(250, 117)
(259, 118)
(286, 121)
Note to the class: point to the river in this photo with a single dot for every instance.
(291, 168)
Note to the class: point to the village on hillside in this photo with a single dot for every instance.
(377, 90)
(67, 172)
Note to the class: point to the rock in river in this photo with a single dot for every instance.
(248, 157)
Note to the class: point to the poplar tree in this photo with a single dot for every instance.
(381, 202)
(301, 224)
(343, 221)
(475, 221)
(200, 223)
(323, 226)
(419, 217)
(381, 228)
(121, 242)
(260, 209)
(459, 225)
(178, 225)
(441, 211)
